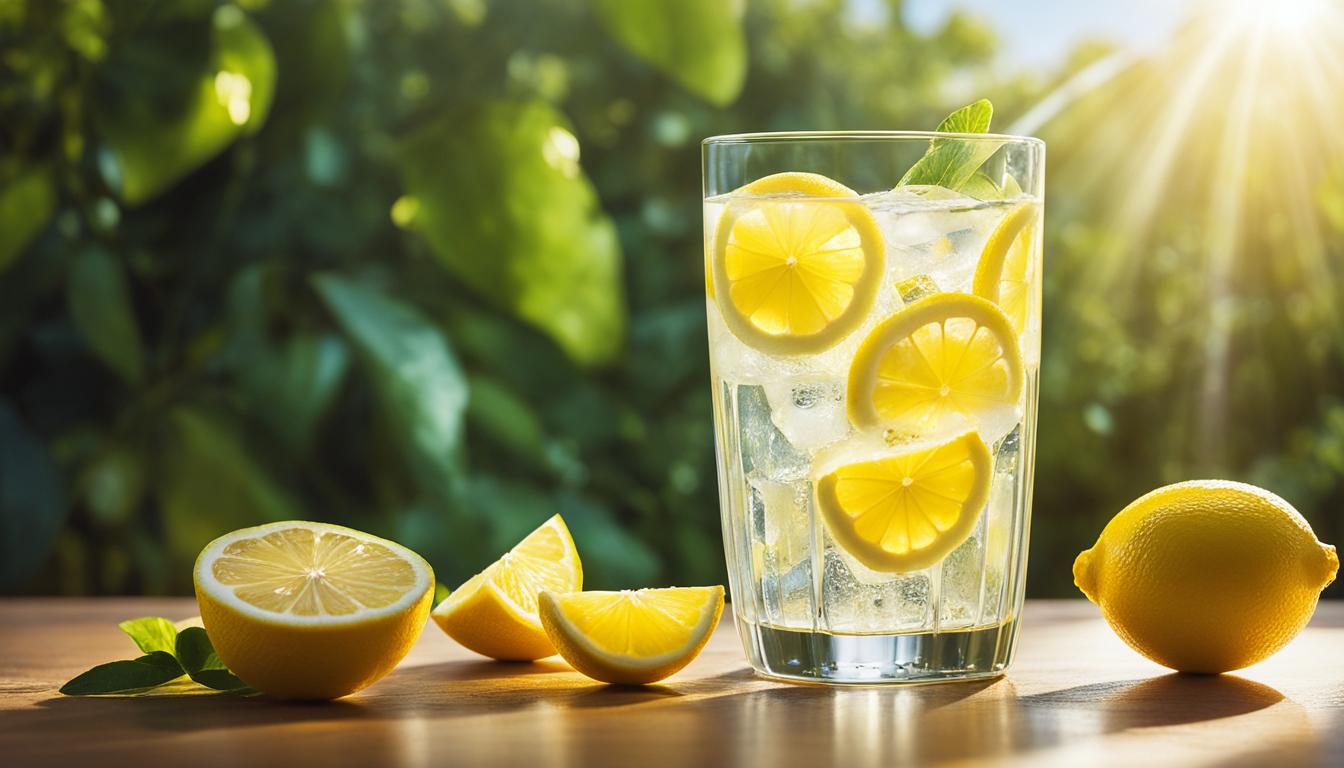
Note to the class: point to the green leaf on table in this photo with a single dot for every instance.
(152, 633)
(100, 306)
(27, 202)
(951, 163)
(197, 655)
(180, 91)
(420, 386)
(212, 482)
(503, 203)
(698, 43)
(127, 676)
(32, 500)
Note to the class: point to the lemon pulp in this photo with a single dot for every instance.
(946, 360)
(793, 275)
(907, 511)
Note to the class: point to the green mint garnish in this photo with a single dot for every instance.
(950, 163)
(151, 633)
(197, 656)
(130, 676)
(169, 654)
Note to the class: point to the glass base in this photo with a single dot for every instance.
(816, 657)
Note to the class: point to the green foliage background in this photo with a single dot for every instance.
(431, 268)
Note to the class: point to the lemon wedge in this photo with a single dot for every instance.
(308, 610)
(793, 275)
(494, 613)
(1006, 271)
(908, 511)
(631, 637)
(945, 361)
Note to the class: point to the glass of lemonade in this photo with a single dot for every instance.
(874, 307)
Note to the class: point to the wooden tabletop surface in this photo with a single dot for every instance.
(1076, 696)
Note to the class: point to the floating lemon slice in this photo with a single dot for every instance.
(1005, 273)
(309, 610)
(794, 276)
(908, 511)
(494, 613)
(631, 637)
(948, 360)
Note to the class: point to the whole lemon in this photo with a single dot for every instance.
(1206, 575)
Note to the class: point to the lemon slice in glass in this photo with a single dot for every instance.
(908, 511)
(631, 637)
(494, 613)
(306, 610)
(1005, 273)
(797, 263)
(947, 361)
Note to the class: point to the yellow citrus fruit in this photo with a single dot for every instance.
(494, 613)
(631, 637)
(305, 610)
(797, 263)
(948, 359)
(908, 511)
(1006, 271)
(1206, 575)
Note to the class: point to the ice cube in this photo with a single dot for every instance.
(810, 412)
(856, 599)
(766, 452)
(959, 595)
(781, 519)
(934, 232)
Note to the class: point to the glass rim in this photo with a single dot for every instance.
(765, 137)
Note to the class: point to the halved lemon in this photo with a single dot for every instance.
(494, 613)
(908, 511)
(793, 275)
(308, 610)
(631, 637)
(948, 360)
(1005, 273)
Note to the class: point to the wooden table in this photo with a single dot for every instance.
(1076, 696)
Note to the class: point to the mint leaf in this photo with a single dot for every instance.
(151, 633)
(951, 163)
(128, 676)
(198, 658)
(972, 118)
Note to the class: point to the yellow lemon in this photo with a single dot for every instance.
(908, 511)
(797, 263)
(308, 610)
(1006, 273)
(631, 637)
(1206, 575)
(948, 359)
(494, 613)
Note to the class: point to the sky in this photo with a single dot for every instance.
(1036, 33)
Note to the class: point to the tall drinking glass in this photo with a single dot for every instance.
(874, 307)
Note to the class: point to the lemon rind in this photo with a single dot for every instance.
(989, 269)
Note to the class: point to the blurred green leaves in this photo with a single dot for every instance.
(26, 205)
(421, 390)
(100, 306)
(32, 499)
(214, 483)
(698, 43)
(171, 107)
(501, 199)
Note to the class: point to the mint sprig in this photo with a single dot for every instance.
(169, 655)
(951, 163)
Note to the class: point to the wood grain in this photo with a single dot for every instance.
(1075, 696)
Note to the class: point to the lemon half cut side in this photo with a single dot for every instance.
(311, 610)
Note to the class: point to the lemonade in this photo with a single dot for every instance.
(874, 354)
